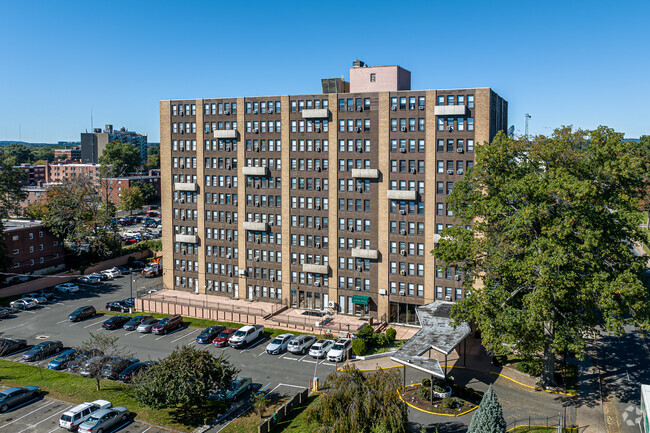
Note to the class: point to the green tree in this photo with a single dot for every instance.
(260, 402)
(43, 153)
(488, 418)
(11, 194)
(19, 153)
(354, 402)
(105, 345)
(148, 191)
(131, 199)
(549, 258)
(153, 156)
(119, 159)
(185, 378)
(35, 211)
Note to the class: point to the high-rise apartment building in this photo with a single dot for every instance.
(319, 201)
(94, 143)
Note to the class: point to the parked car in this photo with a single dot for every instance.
(134, 369)
(208, 335)
(113, 368)
(135, 321)
(24, 304)
(47, 294)
(102, 277)
(115, 322)
(67, 288)
(73, 418)
(339, 352)
(104, 420)
(167, 324)
(12, 397)
(42, 351)
(279, 344)
(320, 348)
(11, 345)
(146, 325)
(89, 279)
(109, 274)
(80, 360)
(93, 364)
(61, 361)
(82, 313)
(36, 297)
(124, 270)
(301, 344)
(246, 335)
(121, 306)
(221, 340)
(238, 386)
(137, 264)
(4, 312)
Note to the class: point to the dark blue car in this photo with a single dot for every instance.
(61, 361)
(209, 334)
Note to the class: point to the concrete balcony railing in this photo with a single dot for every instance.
(225, 133)
(315, 113)
(255, 171)
(402, 195)
(186, 186)
(362, 253)
(316, 269)
(256, 226)
(365, 173)
(187, 239)
(450, 110)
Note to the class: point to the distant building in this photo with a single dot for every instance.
(68, 153)
(94, 143)
(66, 169)
(113, 186)
(32, 248)
(34, 174)
(35, 194)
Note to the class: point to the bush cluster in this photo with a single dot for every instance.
(451, 402)
(532, 367)
(359, 347)
(424, 393)
(372, 339)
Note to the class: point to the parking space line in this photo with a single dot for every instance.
(302, 358)
(144, 335)
(292, 386)
(289, 358)
(27, 414)
(145, 431)
(62, 321)
(186, 335)
(51, 416)
(129, 333)
(94, 323)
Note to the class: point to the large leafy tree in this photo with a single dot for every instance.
(76, 213)
(119, 159)
(131, 199)
(352, 402)
(184, 379)
(18, 153)
(153, 156)
(11, 194)
(148, 191)
(550, 257)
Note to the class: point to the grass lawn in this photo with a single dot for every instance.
(537, 429)
(297, 420)
(248, 422)
(383, 349)
(78, 389)
(204, 323)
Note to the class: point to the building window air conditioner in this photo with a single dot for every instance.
(403, 252)
(257, 241)
(317, 188)
(403, 129)
(402, 272)
(318, 169)
(272, 278)
(450, 171)
(402, 149)
(357, 288)
(229, 221)
(228, 256)
(457, 277)
(182, 268)
(460, 171)
(460, 150)
(402, 293)
(318, 148)
(360, 189)
(317, 228)
(317, 207)
(403, 232)
(411, 106)
(448, 298)
(318, 245)
(270, 110)
(450, 129)
(402, 211)
(226, 112)
(393, 107)
(317, 284)
(351, 229)
(256, 131)
(255, 111)
(318, 129)
(421, 107)
(360, 268)
(413, 171)
(257, 259)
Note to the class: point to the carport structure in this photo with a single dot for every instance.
(437, 333)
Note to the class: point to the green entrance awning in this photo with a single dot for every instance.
(360, 299)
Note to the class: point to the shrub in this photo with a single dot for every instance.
(451, 402)
(424, 393)
(532, 367)
(367, 334)
(390, 334)
(359, 347)
(381, 340)
(439, 388)
(426, 382)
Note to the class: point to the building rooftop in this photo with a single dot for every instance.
(20, 224)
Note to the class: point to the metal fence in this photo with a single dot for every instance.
(560, 422)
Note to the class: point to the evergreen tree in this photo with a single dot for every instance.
(488, 418)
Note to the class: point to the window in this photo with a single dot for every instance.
(373, 77)
(470, 101)
(470, 123)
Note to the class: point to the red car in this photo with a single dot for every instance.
(221, 340)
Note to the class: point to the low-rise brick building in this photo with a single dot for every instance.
(32, 248)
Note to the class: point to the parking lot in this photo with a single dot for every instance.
(42, 416)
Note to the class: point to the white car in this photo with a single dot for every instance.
(320, 348)
(279, 344)
(73, 418)
(130, 233)
(24, 304)
(67, 288)
(110, 274)
(38, 298)
(116, 270)
(339, 352)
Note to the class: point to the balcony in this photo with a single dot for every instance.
(188, 239)
(255, 171)
(256, 226)
(450, 110)
(402, 195)
(365, 173)
(186, 186)
(316, 269)
(225, 133)
(362, 253)
(316, 113)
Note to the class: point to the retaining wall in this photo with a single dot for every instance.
(283, 411)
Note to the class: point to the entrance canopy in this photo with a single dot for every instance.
(437, 333)
(360, 299)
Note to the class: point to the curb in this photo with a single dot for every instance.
(434, 413)
(536, 388)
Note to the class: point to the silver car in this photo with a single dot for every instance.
(320, 348)
(301, 344)
(104, 419)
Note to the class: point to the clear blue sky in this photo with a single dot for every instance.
(583, 63)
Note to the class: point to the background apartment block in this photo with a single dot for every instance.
(32, 248)
(94, 143)
(330, 200)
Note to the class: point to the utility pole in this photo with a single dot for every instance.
(527, 116)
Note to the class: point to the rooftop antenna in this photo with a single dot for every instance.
(528, 116)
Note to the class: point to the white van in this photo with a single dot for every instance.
(71, 419)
